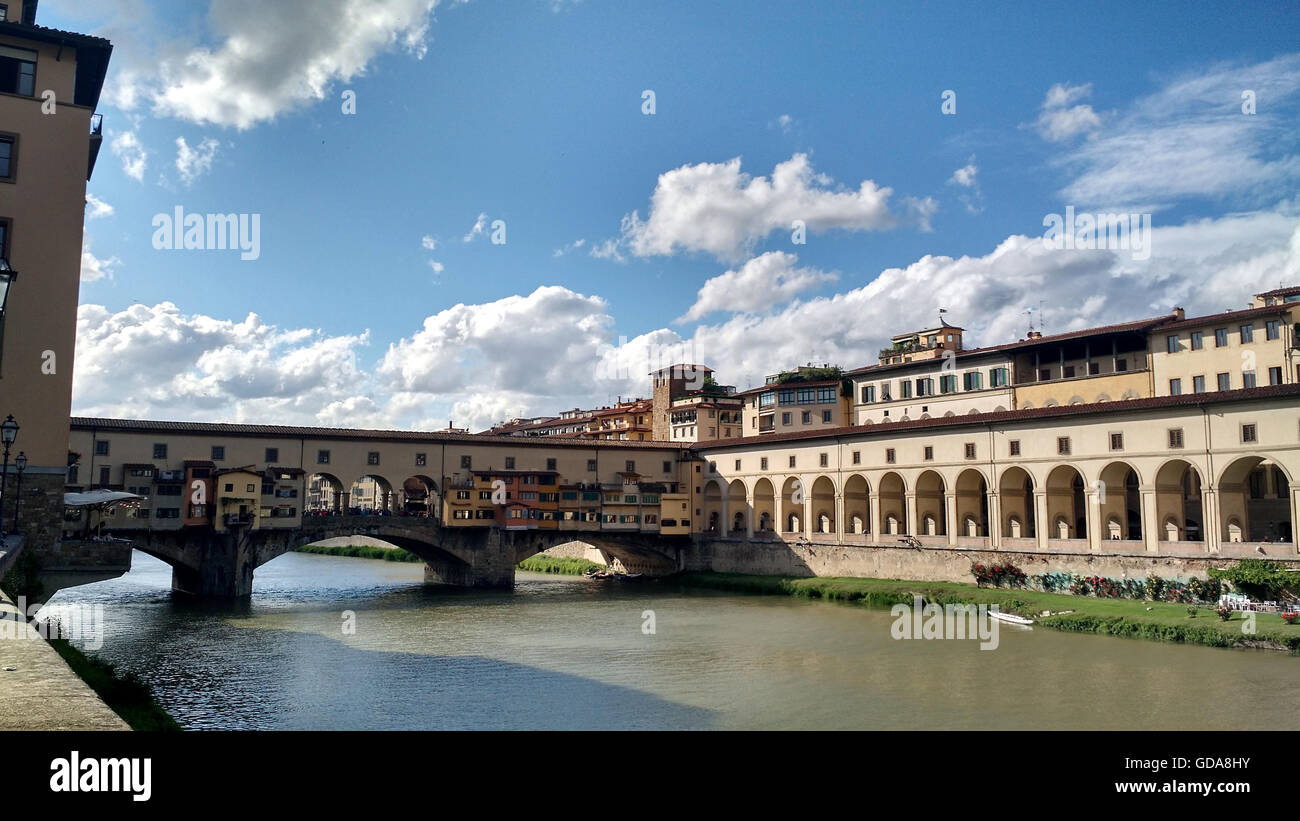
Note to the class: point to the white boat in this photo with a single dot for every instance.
(1010, 618)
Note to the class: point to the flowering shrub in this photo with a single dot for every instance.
(1154, 588)
(1290, 616)
(998, 574)
(1224, 612)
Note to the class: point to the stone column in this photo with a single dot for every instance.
(1150, 536)
(778, 510)
(749, 519)
(877, 520)
(1210, 532)
(995, 520)
(950, 517)
(839, 516)
(912, 526)
(1093, 516)
(724, 525)
(1041, 525)
(808, 511)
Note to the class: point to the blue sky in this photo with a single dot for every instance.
(531, 113)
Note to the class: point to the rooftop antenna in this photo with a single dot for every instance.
(942, 311)
(1040, 316)
(1029, 312)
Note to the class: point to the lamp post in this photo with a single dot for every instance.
(21, 462)
(7, 276)
(8, 433)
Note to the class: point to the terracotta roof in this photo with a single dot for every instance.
(821, 383)
(293, 431)
(1122, 327)
(1287, 291)
(1115, 406)
(1247, 313)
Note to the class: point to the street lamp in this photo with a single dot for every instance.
(7, 275)
(21, 462)
(8, 433)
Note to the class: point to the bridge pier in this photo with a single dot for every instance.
(225, 563)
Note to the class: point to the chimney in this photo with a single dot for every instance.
(1179, 314)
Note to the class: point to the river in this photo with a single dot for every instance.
(566, 653)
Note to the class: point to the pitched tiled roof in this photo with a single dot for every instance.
(999, 417)
(291, 431)
(1287, 291)
(1228, 316)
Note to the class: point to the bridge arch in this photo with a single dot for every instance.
(420, 496)
(1255, 501)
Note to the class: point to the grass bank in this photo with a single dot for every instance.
(1156, 621)
(125, 694)
(556, 564)
(357, 551)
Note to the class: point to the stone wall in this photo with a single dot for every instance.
(40, 511)
(775, 558)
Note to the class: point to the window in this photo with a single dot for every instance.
(857, 457)
(737, 464)
(1220, 337)
(1015, 447)
(1067, 372)
(890, 456)
(826, 416)
(17, 71)
(971, 381)
(1198, 384)
(806, 396)
(591, 465)
(229, 487)
(905, 389)
(72, 474)
(998, 378)
(1198, 340)
(868, 393)
(1117, 441)
(8, 157)
(762, 463)
(1225, 381)
(1175, 437)
(1248, 379)
(218, 453)
(786, 396)
(421, 459)
(629, 466)
(806, 417)
(1175, 387)
(766, 399)
(1094, 368)
(101, 447)
(948, 383)
(1063, 445)
(1248, 433)
(713, 467)
(970, 450)
(250, 488)
(884, 392)
(1121, 365)
(792, 460)
(668, 466)
(272, 455)
(925, 387)
(1171, 344)
(825, 395)
(466, 462)
(510, 463)
(550, 464)
(1247, 334)
(1275, 376)
(1271, 329)
(929, 453)
(1044, 374)
(785, 418)
(159, 451)
(823, 460)
(322, 457)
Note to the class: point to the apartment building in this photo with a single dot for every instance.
(803, 399)
(1252, 347)
(50, 82)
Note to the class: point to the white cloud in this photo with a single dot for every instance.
(762, 283)
(480, 226)
(785, 122)
(968, 177)
(97, 208)
(478, 364)
(93, 268)
(127, 147)
(436, 266)
(572, 246)
(1059, 119)
(428, 243)
(609, 249)
(192, 163)
(270, 58)
(720, 210)
(1190, 139)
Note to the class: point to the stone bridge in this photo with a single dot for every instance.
(207, 562)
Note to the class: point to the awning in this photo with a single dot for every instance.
(96, 497)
